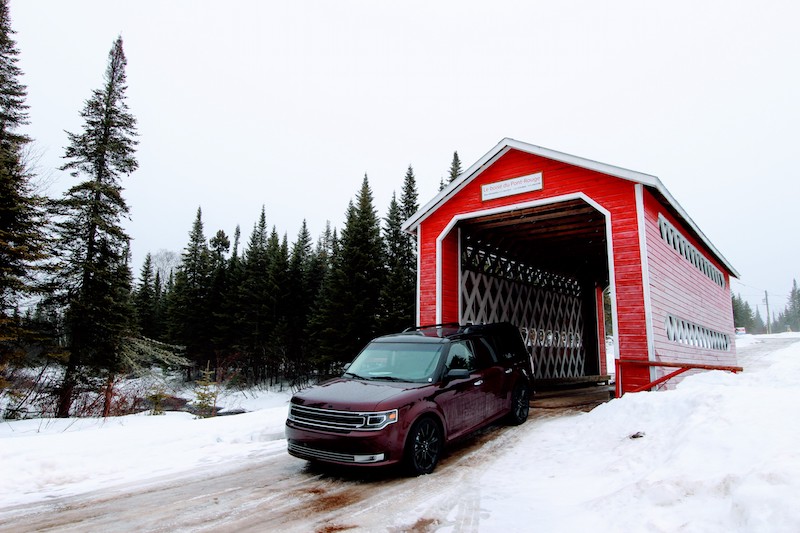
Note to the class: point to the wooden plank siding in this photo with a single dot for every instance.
(680, 289)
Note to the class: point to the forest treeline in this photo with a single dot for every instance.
(786, 319)
(255, 308)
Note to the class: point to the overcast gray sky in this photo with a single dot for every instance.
(288, 104)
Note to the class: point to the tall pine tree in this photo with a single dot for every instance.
(146, 300)
(455, 167)
(254, 308)
(21, 236)
(190, 311)
(92, 245)
(298, 304)
(396, 313)
(352, 313)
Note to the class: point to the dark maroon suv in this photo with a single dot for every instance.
(407, 395)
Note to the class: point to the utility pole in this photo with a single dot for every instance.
(769, 319)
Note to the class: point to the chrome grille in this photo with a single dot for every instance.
(327, 418)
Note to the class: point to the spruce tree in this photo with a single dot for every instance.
(299, 302)
(277, 293)
(793, 308)
(147, 300)
(455, 167)
(352, 313)
(92, 245)
(190, 300)
(231, 332)
(219, 287)
(22, 244)
(408, 248)
(399, 292)
(394, 297)
(254, 306)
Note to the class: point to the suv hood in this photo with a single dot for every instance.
(352, 394)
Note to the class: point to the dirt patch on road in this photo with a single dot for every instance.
(321, 500)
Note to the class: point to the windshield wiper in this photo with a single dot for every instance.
(386, 378)
(354, 375)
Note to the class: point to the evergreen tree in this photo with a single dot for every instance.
(758, 323)
(394, 294)
(92, 244)
(277, 293)
(300, 298)
(793, 308)
(219, 287)
(191, 323)
(254, 306)
(455, 167)
(408, 250)
(231, 332)
(147, 300)
(22, 244)
(351, 315)
(742, 313)
(399, 291)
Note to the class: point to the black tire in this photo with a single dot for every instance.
(520, 404)
(424, 447)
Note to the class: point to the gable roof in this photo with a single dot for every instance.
(508, 144)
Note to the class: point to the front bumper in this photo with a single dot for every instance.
(364, 448)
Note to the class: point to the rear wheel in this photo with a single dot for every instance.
(520, 404)
(423, 447)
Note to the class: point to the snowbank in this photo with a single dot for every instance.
(718, 453)
(46, 458)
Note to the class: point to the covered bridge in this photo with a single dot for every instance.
(534, 236)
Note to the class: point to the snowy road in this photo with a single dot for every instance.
(281, 493)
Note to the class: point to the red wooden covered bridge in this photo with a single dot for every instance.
(534, 236)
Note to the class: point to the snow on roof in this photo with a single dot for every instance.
(507, 144)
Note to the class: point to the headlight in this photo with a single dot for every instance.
(380, 420)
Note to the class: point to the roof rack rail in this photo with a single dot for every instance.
(431, 326)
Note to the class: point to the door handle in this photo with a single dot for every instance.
(479, 382)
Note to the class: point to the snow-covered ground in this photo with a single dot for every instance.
(721, 452)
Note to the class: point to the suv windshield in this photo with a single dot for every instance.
(397, 361)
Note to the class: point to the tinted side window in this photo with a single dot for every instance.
(508, 344)
(484, 354)
(461, 356)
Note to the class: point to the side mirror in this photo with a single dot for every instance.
(457, 373)
(346, 366)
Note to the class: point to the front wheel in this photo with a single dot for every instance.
(520, 404)
(423, 447)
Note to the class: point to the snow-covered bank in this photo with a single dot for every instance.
(46, 458)
(719, 453)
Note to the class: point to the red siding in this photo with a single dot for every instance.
(678, 288)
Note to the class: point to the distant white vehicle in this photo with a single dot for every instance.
(741, 331)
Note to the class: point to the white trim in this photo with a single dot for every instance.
(612, 280)
(419, 273)
(508, 144)
(438, 279)
(648, 304)
(460, 280)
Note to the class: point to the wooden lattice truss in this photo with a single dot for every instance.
(545, 306)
